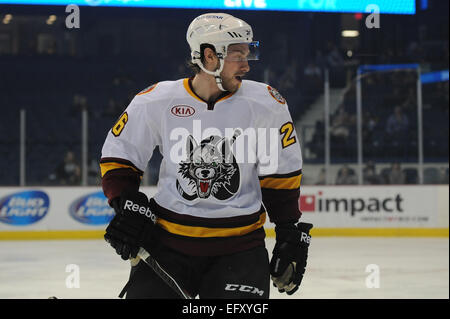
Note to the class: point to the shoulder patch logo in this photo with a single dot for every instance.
(276, 95)
(148, 89)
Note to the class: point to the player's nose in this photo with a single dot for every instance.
(245, 67)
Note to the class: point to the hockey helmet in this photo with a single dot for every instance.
(219, 30)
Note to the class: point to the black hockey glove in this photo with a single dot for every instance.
(289, 256)
(132, 225)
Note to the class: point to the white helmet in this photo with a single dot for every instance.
(219, 30)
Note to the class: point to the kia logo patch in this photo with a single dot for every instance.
(182, 110)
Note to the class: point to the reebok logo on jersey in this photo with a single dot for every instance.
(143, 210)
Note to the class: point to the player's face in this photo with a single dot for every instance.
(235, 67)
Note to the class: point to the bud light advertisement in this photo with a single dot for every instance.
(24, 208)
(92, 209)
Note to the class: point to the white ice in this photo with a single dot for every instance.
(407, 268)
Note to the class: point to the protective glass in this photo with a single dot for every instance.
(242, 52)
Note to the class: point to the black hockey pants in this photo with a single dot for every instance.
(243, 275)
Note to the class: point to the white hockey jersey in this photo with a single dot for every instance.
(219, 159)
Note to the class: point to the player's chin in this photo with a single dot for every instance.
(233, 84)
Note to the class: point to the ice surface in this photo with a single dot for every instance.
(408, 268)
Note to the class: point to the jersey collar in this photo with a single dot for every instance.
(187, 83)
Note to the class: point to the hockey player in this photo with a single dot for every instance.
(230, 156)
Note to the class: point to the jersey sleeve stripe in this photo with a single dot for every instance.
(295, 173)
(109, 165)
(281, 183)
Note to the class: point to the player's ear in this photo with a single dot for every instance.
(210, 58)
(191, 144)
(209, 54)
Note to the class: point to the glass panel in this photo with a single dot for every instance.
(53, 145)
(435, 127)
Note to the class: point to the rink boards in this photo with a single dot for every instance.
(390, 211)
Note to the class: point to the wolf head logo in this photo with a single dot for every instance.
(210, 168)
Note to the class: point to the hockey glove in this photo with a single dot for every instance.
(289, 256)
(132, 225)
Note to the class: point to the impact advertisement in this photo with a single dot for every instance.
(372, 207)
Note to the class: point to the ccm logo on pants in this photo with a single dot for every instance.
(244, 288)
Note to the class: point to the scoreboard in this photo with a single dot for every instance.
(384, 6)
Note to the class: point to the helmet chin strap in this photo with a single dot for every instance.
(215, 73)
